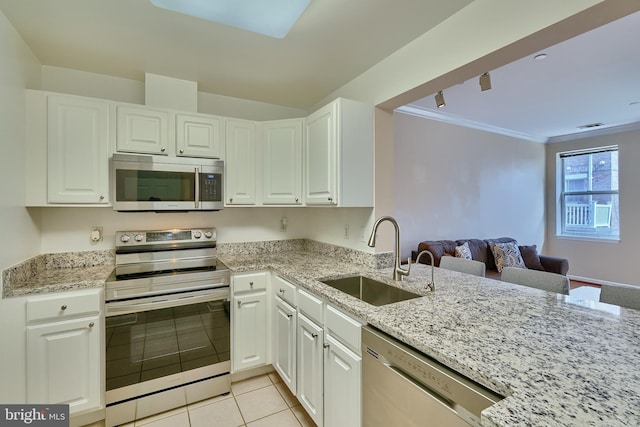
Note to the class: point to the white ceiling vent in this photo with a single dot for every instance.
(167, 92)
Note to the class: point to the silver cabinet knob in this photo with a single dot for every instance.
(297, 200)
(64, 307)
(231, 200)
(281, 291)
(163, 149)
(314, 336)
(181, 151)
(101, 197)
(289, 316)
(91, 325)
(251, 284)
(325, 345)
(331, 199)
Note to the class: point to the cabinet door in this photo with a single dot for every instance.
(310, 368)
(240, 169)
(320, 154)
(249, 330)
(284, 348)
(342, 375)
(282, 162)
(142, 130)
(78, 150)
(64, 363)
(199, 136)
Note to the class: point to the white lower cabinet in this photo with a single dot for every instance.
(65, 347)
(317, 354)
(249, 321)
(284, 343)
(310, 367)
(342, 384)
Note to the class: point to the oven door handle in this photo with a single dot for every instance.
(165, 301)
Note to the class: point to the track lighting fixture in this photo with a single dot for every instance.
(485, 82)
(440, 99)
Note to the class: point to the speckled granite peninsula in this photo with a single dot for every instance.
(557, 363)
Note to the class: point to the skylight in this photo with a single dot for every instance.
(273, 18)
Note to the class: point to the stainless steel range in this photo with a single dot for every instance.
(167, 326)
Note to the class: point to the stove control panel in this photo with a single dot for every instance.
(163, 237)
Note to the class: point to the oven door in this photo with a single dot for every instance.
(169, 349)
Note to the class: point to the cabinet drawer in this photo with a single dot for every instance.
(249, 282)
(310, 305)
(285, 290)
(63, 306)
(343, 327)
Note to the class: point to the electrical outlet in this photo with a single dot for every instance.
(283, 224)
(363, 236)
(346, 232)
(96, 234)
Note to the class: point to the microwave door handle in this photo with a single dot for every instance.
(197, 201)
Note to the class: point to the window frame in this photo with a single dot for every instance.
(578, 232)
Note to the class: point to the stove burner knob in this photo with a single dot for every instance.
(139, 237)
(197, 234)
(125, 238)
(208, 234)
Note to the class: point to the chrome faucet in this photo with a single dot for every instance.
(431, 285)
(398, 271)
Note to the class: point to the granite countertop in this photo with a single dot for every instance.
(58, 272)
(557, 362)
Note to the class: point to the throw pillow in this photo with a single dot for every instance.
(463, 251)
(531, 258)
(507, 255)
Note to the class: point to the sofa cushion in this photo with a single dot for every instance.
(479, 250)
(507, 255)
(530, 257)
(438, 248)
(491, 263)
(463, 251)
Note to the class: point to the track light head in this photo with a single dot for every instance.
(440, 99)
(485, 82)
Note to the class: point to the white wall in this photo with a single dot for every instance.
(452, 182)
(592, 259)
(18, 227)
(18, 69)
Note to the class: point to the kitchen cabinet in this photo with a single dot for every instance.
(65, 351)
(281, 143)
(321, 361)
(199, 136)
(338, 155)
(240, 168)
(310, 367)
(67, 150)
(284, 343)
(142, 130)
(249, 321)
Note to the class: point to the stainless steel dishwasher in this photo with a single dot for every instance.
(403, 387)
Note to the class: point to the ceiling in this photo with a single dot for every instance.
(592, 78)
(333, 42)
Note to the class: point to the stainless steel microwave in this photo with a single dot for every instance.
(149, 183)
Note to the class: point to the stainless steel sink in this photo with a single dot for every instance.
(370, 291)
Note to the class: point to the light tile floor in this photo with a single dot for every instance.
(263, 401)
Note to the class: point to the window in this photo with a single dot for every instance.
(588, 203)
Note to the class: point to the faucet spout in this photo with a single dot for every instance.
(398, 271)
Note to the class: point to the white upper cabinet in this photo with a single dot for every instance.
(281, 143)
(199, 136)
(338, 155)
(78, 150)
(240, 168)
(142, 130)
